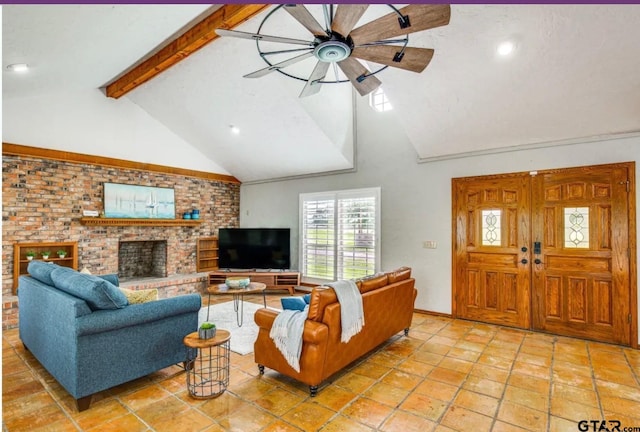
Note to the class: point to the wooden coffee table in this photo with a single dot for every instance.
(238, 296)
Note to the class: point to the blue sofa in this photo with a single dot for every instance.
(83, 331)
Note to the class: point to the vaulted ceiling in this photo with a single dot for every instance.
(572, 75)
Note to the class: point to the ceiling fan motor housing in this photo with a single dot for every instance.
(333, 49)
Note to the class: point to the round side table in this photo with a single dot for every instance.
(207, 364)
(238, 297)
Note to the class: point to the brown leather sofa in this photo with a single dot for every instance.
(388, 302)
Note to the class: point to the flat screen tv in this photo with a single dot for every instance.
(254, 248)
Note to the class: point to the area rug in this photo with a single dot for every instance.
(224, 317)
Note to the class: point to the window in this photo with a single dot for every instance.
(576, 227)
(378, 100)
(339, 234)
(491, 227)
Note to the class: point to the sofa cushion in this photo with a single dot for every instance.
(321, 297)
(293, 303)
(400, 274)
(112, 277)
(97, 292)
(374, 282)
(140, 296)
(41, 271)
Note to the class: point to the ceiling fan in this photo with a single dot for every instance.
(339, 44)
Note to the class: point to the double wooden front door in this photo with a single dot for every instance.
(547, 251)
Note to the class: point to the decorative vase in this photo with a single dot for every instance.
(45, 257)
(29, 258)
(207, 333)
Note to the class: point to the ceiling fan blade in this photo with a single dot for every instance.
(357, 75)
(276, 66)
(346, 17)
(313, 86)
(413, 59)
(304, 17)
(254, 36)
(420, 17)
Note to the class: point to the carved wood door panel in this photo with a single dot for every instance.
(580, 226)
(549, 251)
(491, 260)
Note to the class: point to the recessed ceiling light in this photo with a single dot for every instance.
(234, 130)
(18, 67)
(506, 48)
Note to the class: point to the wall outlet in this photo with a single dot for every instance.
(430, 244)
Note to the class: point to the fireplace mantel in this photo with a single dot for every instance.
(94, 221)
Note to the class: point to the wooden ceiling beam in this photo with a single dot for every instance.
(227, 17)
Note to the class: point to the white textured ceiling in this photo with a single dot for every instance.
(75, 47)
(575, 74)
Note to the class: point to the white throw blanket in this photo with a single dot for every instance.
(351, 310)
(286, 333)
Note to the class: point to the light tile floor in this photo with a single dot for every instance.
(448, 375)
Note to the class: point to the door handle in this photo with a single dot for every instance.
(524, 261)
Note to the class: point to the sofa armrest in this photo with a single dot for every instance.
(135, 314)
(314, 332)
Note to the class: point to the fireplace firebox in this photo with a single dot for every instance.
(142, 259)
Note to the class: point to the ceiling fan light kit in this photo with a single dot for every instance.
(383, 41)
(332, 51)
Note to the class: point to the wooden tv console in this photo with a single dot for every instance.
(274, 279)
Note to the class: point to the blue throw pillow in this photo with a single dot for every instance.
(307, 298)
(41, 271)
(293, 303)
(97, 292)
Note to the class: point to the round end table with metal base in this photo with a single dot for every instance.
(207, 364)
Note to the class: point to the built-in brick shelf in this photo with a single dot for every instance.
(171, 286)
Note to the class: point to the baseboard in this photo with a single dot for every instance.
(427, 312)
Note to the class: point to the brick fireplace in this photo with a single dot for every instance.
(142, 259)
(44, 193)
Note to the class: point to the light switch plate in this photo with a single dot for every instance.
(430, 244)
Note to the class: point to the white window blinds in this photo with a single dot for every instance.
(339, 234)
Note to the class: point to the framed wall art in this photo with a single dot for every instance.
(142, 202)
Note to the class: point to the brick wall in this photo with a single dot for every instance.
(43, 200)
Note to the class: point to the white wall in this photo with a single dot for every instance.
(89, 122)
(416, 198)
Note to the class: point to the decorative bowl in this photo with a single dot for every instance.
(237, 282)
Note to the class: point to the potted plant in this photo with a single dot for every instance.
(45, 254)
(62, 253)
(30, 255)
(207, 330)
